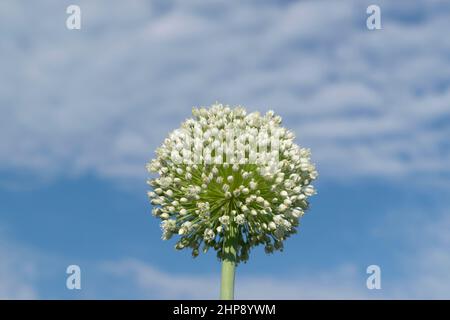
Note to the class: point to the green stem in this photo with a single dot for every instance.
(228, 270)
(227, 285)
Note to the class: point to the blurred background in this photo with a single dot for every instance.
(82, 111)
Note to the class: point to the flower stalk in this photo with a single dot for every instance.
(228, 276)
(228, 268)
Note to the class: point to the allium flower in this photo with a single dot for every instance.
(229, 180)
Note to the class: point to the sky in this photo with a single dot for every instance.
(82, 111)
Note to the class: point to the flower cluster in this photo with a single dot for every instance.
(228, 175)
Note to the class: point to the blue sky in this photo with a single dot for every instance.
(83, 110)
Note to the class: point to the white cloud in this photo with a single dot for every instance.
(429, 264)
(17, 271)
(423, 253)
(422, 246)
(340, 283)
(157, 284)
(101, 99)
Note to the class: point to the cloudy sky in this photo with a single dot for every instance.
(81, 112)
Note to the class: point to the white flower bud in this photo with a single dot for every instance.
(164, 216)
(240, 219)
(208, 234)
(225, 220)
(309, 191)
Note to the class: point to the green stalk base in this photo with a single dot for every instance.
(227, 283)
(229, 265)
